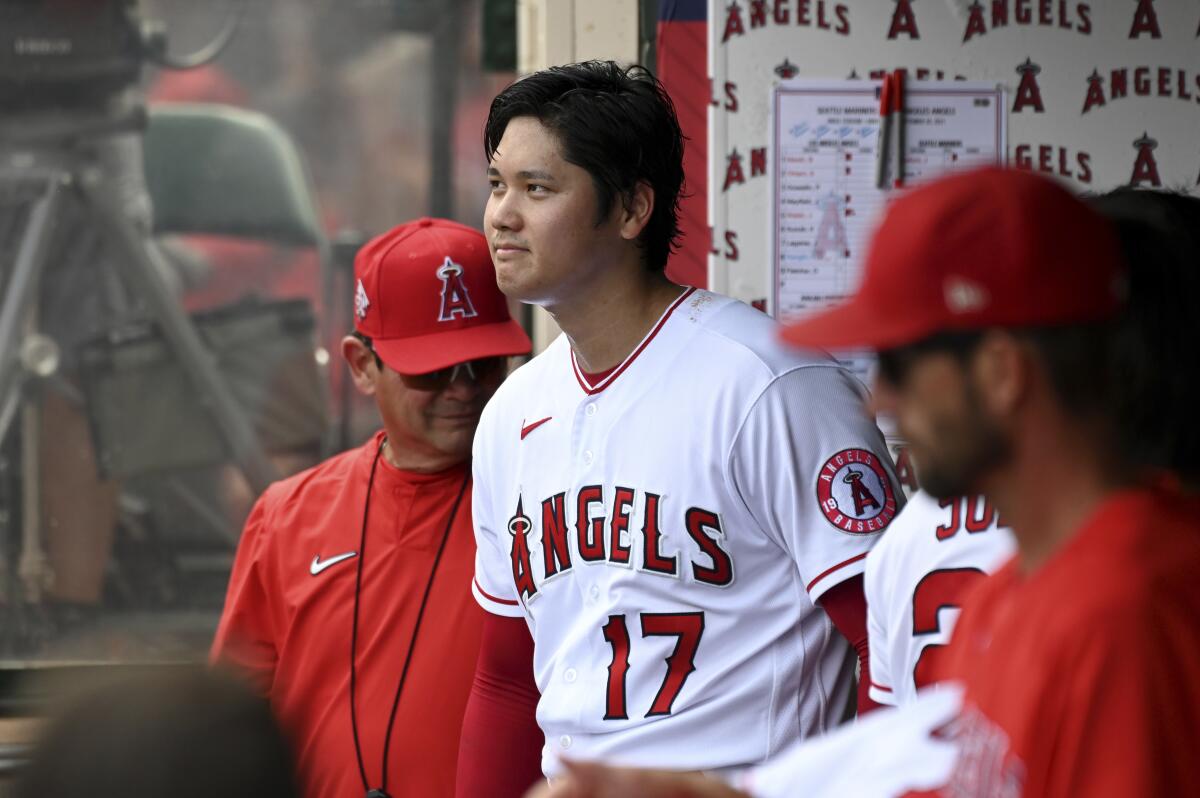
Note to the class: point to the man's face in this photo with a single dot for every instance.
(953, 441)
(435, 425)
(540, 218)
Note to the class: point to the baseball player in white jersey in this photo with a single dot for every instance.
(667, 498)
(666, 532)
(915, 580)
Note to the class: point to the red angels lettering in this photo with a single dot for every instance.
(758, 13)
(731, 247)
(1145, 168)
(855, 493)
(1084, 161)
(733, 171)
(518, 527)
(1049, 14)
(903, 21)
(1095, 92)
(758, 161)
(456, 300)
(733, 22)
(652, 558)
(1053, 160)
(622, 502)
(1028, 92)
(698, 523)
(843, 15)
(1145, 20)
(905, 472)
(731, 99)
(1141, 81)
(589, 531)
(556, 550)
(976, 26)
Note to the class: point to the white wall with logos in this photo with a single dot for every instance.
(1100, 94)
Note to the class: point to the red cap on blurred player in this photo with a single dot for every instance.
(987, 248)
(426, 295)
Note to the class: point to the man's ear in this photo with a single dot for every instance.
(1000, 370)
(362, 364)
(635, 213)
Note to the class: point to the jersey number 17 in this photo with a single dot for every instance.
(687, 627)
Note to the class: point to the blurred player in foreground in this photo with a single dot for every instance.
(1080, 659)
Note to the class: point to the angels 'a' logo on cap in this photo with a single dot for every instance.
(964, 296)
(456, 300)
(854, 492)
(361, 303)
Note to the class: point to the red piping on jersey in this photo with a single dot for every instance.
(607, 381)
(490, 597)
(828, 571)
(881, 688)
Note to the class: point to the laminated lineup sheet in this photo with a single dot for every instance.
(825, 200)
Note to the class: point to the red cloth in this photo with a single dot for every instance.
(1084, 677)
(290, 629)
(501, 754)
(846, 605)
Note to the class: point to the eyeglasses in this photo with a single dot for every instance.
(478, 371)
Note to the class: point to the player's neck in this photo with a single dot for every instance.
(605, 325)
(1057, 478)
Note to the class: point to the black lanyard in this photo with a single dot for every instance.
(362, 552)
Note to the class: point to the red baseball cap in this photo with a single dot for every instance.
(426, 296)
(987, 248)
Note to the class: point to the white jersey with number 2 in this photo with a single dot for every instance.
(916, 578)
(666, 531)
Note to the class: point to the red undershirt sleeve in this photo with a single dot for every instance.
(846, 605)
(500, 753)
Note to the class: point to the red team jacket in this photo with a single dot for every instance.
(289, 628)
(1083, 679)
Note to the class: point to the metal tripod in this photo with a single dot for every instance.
(51, 159)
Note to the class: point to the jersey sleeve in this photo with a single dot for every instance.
(880, 676)
(492, 585)
(813, 470)
(246, 636)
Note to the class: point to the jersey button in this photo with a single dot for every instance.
(591, 410)
(565, 741)
(587, 457)
(595, 591)
(570, 675)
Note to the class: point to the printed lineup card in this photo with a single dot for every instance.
(825, 201)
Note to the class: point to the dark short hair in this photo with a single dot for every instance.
(169, 730)
(1155, 379)
(616, 123)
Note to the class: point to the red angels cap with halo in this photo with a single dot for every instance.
(426, 295)
(987, 248)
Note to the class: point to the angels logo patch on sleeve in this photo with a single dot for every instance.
(854, 492)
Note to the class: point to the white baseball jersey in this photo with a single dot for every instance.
(666, 532)
(887, 754)
(915, 578)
